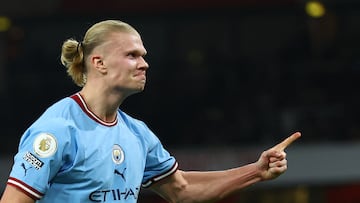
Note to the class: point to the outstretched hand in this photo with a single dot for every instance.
(272, 162)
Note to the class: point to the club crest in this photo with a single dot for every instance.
(117, 154)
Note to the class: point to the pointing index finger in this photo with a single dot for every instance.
(282, 145)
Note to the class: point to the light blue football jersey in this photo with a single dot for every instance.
(70, 155)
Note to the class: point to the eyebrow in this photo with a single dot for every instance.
(137, 51)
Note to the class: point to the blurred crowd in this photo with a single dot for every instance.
(215, 78)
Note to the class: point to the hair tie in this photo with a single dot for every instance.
(78, 45)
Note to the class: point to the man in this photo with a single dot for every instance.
(85, 149)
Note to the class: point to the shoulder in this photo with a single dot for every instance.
(130, 121)
(55, 121)
(60, 107)
(139, 128)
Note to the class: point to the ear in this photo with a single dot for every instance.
(98, 62)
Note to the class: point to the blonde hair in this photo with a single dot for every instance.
(74, 52)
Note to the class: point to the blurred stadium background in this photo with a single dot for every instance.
(227, 79)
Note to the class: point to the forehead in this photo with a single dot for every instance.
(125, 41)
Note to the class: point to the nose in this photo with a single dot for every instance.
(143, 64)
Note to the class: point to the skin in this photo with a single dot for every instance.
(212, 186)
(116, 70)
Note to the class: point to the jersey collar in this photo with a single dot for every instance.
(81, 102)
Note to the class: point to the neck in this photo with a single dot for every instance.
(104, 106)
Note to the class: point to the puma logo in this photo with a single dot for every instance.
(121, 174)
(25, 169)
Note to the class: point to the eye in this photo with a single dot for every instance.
(131, 55)
(135, 54)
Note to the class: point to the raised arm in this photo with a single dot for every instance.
(211, 186)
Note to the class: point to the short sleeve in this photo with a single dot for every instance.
(159, 162)
(40, 157)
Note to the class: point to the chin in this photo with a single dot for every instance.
(140, 89)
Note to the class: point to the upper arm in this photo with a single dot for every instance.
(39, 158)
(177, 188)
(171, 187)
(191, 186)
(205, 186)
(13, 195)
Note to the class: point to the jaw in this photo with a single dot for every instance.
(128, 91)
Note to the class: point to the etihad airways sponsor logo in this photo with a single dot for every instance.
(111, 195)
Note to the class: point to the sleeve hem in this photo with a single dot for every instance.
(23, 187)
(169, 172)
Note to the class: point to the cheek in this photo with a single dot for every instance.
(121, 69)
(120, 74)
